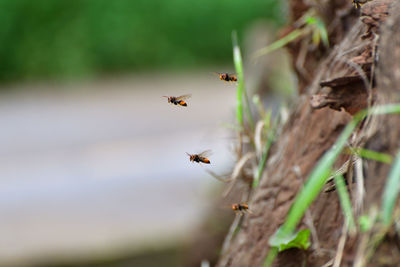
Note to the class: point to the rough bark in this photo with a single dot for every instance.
(340, 87)
(387, 137)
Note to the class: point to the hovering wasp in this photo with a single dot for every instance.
(358, 3)
(240, 208)
(226, 77)
(179, 100)
(200, 158)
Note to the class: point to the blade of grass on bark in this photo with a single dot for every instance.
(345, 202)
(370, 154)
(391, 191)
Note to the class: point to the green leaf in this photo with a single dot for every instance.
(299, 240)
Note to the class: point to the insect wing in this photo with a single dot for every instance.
(205, 154)
(221, 75)
(183, 97)
(216, 73)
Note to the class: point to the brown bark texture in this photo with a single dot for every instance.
(361, 69)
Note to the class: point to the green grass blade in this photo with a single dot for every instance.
(237, 59)
(345, 202)
(371, 154)
(259, 105)
(323, 32)
(272, 253)
(241, 91)
(391, 191)
(261, 165)
(320, 29)
(278, 44)
(385, 109)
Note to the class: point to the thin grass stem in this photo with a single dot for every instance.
(345, 202)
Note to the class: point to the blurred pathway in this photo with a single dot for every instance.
(99, 167)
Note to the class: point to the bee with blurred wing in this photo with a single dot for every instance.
(226, 77)
(201, 157)
(240, 208)
(178, 100)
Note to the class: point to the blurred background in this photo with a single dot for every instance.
(93, 170)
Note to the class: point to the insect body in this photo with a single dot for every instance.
(179, 100)
(223, 76)
(200, 158)
(240, 208)
(358, 3)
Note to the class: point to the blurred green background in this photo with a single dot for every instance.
(64, 39)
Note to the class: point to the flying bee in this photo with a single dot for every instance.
(200, 158)
(240, 208)
(178, 100)
(226, 77)
(358, 3)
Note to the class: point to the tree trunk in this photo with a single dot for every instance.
(341, 85)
